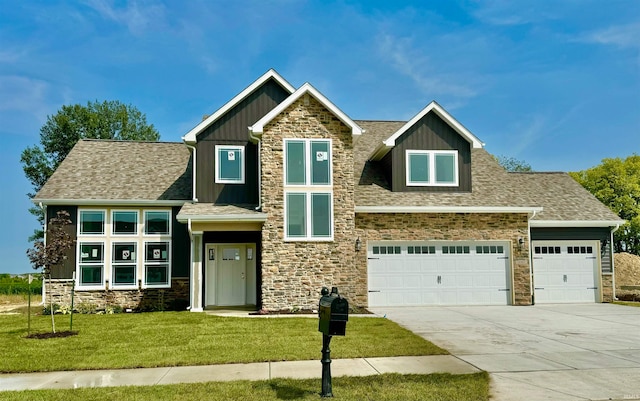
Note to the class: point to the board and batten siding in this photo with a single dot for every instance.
(577, 234)
(430, 133)
(65, 271)
(232, 129)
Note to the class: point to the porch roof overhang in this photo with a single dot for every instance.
(576, 223)
(447, 209)
(208, 212)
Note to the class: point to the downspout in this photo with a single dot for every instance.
(256, 139)
(533, 295)
(44, 229)
(191, 275)
(193, 173)
(613, 270)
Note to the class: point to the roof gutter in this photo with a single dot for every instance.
(111, 202)
(576, 223)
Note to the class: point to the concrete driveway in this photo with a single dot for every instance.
(551, 352)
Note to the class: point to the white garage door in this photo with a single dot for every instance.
(433, 273)
(565, 271)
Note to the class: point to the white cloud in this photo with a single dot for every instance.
(623, 36)
(138, 17)
(424, 73)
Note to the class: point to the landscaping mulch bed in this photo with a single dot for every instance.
(58, 334)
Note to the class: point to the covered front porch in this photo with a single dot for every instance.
(225, 254)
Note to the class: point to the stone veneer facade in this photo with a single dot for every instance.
(293, 272)
(448, 227)
(145, 299)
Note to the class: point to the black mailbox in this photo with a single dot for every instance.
(333, 312)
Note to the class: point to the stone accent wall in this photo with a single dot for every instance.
(607, 287)
(447, 227)
(293, 273)
(145, 299)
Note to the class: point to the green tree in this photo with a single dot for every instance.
(61, 131)
(616, 183)
(512, 164)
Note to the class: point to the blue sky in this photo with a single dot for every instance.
(553, 83)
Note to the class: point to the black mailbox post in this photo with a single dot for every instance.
(333, 313)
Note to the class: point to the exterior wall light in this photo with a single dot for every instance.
(520, 243)
(358, 244)
(603, 246)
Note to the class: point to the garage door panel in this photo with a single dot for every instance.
(449, 274)
(565, 271)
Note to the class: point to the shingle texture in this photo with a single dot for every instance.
(209, 209)
(121, 170)
(561, 197)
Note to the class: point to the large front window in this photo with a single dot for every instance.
(229, 164)
(432, 168)
(308, 194)
(123, 248)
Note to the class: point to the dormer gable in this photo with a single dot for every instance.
(431, 152)
(307, 89)
(191, 137)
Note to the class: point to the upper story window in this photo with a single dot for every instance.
(229, 164)
(432, 168)
(91, 222)
(157, 222)
(307, 162)
(124, 222)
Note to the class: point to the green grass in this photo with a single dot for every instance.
(624, 303)
(474, 387)
(182, 338)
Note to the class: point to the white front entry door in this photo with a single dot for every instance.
(226, 275)
(565, 271)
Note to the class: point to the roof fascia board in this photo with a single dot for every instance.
(390, 142)
(190, 137)
(447, 209)
(110, 202)
(575, 223)
(258, 128)
(258, 217)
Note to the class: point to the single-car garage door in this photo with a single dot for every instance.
(565, 271)
(439, 273)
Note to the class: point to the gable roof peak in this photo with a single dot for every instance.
(190, 137)
(257, 129)
(390, 142)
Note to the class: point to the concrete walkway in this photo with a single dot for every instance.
(249, 371)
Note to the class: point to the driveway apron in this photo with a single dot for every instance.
(542, 352)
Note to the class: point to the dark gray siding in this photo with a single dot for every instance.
(65, 271)
(180, 247)
(231, 129)
(577, 234)
(430, 133)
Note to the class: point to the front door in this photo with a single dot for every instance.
(226, 275)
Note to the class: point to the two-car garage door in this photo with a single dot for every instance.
(439, 273)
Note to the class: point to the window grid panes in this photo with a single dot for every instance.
(157, 222)
(91, 263)
(123, 263)
(124, 222)
(156, 263)
(431, 168)
(92, 222)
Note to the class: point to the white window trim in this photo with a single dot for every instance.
(242, 164)
(79, 263)
(104, 223)
(135, 262)
(113, 226)
(307, 148)
(432, 168)
(144, 223)
(143, 276)
(308, 237)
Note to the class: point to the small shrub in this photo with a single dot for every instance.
(112, 309)
(86, 308)
(46, 310)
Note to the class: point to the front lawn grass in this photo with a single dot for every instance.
(472, 387)
(182, 338)
(627, 303)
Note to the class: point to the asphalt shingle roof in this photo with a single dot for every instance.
(121, 171)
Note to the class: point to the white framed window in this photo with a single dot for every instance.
(91, 222)
(309, 216)
(157, 262)
(432, 168)
(124, 264)
(229, 167)
(124, 222)
(307, 162)
(157, 222)
(91, 265)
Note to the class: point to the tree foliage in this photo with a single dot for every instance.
(512, 164)
(616, 183)
(61, 131)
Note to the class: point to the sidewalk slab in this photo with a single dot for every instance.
(313, 369)
(422, 365)
(523, 362)
(208, 373)
(107, 378)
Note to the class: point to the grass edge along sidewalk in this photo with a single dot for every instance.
(183, 339)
